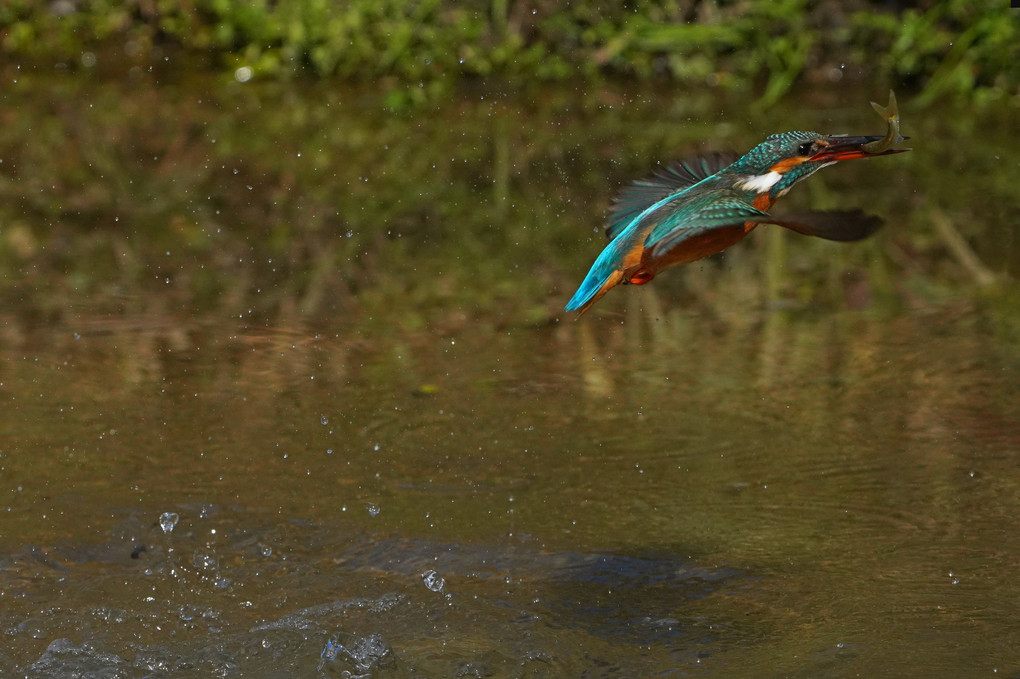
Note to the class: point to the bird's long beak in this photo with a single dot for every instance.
(845, 147)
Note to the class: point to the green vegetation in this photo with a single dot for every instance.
(955, 48)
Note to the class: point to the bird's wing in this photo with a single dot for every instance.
(676, 228)
(671, 179)
(843, 226)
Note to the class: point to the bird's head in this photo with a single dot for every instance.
(782, 160)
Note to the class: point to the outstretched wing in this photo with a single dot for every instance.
(671, 179)
(842, 226)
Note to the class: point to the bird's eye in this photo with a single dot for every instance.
(805, 149)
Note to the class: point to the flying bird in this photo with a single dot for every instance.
(705, 204)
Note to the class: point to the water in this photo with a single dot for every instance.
(433, 580)
(168, 521)
(335, 426)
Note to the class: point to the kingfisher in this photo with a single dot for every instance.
(704, 204)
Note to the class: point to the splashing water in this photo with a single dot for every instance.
(433, 580)
(168, 521)
(362, 653)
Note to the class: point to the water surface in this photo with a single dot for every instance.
(287, 392)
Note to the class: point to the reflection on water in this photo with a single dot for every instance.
(241, 442)
(682, 506)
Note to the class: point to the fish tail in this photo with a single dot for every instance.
(887, 112)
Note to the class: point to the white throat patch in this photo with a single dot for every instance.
(761, 183)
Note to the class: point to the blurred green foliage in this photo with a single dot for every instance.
(955, 48)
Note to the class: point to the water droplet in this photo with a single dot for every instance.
(324, 420)
(364, 653)
(168, 521)
(433, 580)
(373, 509)
(204, 561)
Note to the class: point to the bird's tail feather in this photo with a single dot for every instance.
(605, 273)
(592, 290)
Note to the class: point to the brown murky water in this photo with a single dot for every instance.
(286, 392)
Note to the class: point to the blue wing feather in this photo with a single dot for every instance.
(674, 229)
(671, 179)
